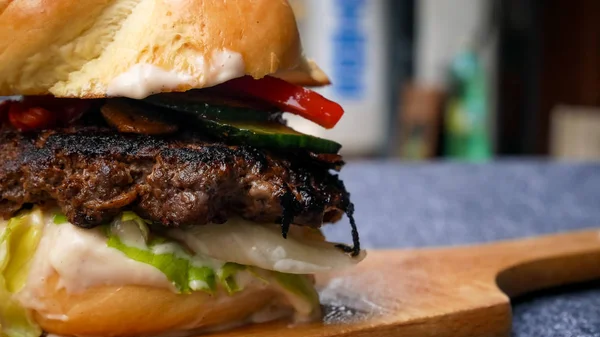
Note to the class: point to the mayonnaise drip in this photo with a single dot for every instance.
(223, 67)
(81, 259)
(143, 80)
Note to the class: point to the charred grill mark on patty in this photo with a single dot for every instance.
(94, 173)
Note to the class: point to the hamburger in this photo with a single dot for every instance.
(149, 184)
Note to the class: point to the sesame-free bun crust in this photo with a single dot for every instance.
(143, 311)
(78, 48)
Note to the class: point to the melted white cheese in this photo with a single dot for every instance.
(263, 246)
(143, 80)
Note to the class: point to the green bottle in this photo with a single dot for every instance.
(466, 123)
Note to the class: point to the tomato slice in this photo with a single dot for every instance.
(41, 112)
(24, 118)
(65, 110)
(288, 97)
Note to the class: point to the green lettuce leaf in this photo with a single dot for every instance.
(18, 242)
(20, 238)
(180, 271)
(202, 278)
(187, 274)
(59, 219)
(141, 223)
(300, 292)
(227, 276)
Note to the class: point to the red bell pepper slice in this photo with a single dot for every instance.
(288, 97)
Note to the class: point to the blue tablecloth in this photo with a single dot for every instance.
(420, 205)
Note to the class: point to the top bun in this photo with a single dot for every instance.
(133, 48)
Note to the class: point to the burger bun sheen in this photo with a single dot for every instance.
(99, 48)
(144, 311)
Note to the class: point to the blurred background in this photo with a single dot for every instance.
(463, 80)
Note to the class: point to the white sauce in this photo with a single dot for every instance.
(224, 66)
(79, 252)
(82, 259)
(143, 80)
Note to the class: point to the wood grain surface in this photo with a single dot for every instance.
(454, 291)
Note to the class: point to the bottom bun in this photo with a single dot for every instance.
(144, 311)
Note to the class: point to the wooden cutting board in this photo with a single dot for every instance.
(454, 291)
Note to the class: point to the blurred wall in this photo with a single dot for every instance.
(549, 73)
(444, 27)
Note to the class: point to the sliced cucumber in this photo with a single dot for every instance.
(268, 135)
(242, 125)
(207, 108)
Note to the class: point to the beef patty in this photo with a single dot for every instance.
(94, 173)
